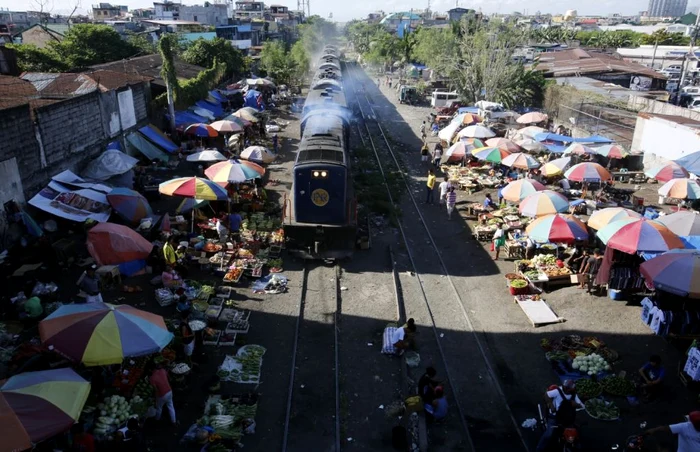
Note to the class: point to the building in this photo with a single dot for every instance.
(374, 18)
(249, 9)
(667, 8)
(212, 14)
(402, 22)
(455, 14)
(102, 11)
(241, 36)
(14, 20)
(166, 10)
(143, 13)
(42, 35)
(175, 26)
(659, 57)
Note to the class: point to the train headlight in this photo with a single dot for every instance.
(324, 174)
(316, 173)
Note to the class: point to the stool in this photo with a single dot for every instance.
(109, 275)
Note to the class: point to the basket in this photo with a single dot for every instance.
(227, 339)
(212, 340)
(164, 297)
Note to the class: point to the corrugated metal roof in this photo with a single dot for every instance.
(581, 62)
(40, 80)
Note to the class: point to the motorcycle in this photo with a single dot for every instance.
(565, 439)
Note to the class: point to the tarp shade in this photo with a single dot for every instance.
(147, 148)
(253, 99)
(114, 145)
(156, 136)
(218, 96)
(593, 139)
(132, 267)
(110, 163)
(216, 109)
(555, 148)
(690, 162)
(114, 244)
(548, 136)
(185, 118)
(474, 110)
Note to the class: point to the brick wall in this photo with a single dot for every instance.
(17, 139)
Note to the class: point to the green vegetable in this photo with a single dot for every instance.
(588, 389)
(618, 386)
(600, 409)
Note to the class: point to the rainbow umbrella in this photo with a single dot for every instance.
(503, 143)
(129, 204)
(518, 190)
(612, 151)
(587, 171)
(555, 167)
(98, 334)
(680, 189)
(234, 171)
(493, 155)
(467, 119)
(35, 406)
(258, 154)
(193, 187)
(632, 235)
(457, 151)
(544, 202)
(476, 132)
(675, 271)
(667, 171)
(520, 160)
(579, 149)
(188, 204)
(225, 126)
(532, 118)
(683, 223)
(557, 228)
(530, 145)
(201, 130)
(603, 217)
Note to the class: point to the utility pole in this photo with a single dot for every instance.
(690, 54)
(653, 56)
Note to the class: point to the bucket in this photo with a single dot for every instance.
(615, 294)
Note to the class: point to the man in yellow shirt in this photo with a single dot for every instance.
(169, 252)
(430, 185)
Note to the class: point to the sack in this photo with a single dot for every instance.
(414, 404)
(493, 246)
(566, 414)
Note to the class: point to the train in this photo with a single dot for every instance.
(320, 209)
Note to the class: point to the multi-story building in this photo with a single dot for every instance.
(166, 10)
(15, 20)
(212, 14)
(667, 8)
(249, 9)
(103, 11)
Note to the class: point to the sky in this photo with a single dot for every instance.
(343, 10)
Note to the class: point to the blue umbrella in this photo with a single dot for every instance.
(690, 162)
(548, 136)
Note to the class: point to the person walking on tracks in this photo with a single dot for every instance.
(437, 156)
(429, 185)
(422, 131)
(451, 201)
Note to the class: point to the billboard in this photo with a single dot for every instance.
(639, 83)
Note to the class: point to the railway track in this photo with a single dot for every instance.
(312, 420)
(494, 426)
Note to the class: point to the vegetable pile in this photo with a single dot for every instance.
(244, 367)
(115, 411)
(602, 410)
(588, 389)
(618, 386)
(229, 418)
(544, 260)
(591, 364)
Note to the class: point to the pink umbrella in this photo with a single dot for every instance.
(533, 117)
(503, 143)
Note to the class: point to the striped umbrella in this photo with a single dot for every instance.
(129, 204)
(225, 126)
(683, 223)
(557, 228)
(675, 271)
(476, 132)
(555, 167)
(639, 235)
(457, 151)
(530, 145)
(612, 151)
(680, 189)
(201, 130)
(530, 131)
(603, 217)
(247, 115)
(520, 160)
(35, 406)
(532, 118)
(587, 171)
(493, 155)
(98, 334)
(503, 143)
(579, 149)
(234, 171)
(544, 202)
(467, 119)
(208, 155)
(518, 190)
(667, 171)
(258, 154)
(193, 187)
(240, 121)
(188, 204)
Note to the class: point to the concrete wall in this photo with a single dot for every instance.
(661, 140)
(215, 14)
(661, 108)
(38, 36)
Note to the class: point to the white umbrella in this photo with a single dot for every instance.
(209, 155)
(530, 144)
(476, 132)
(258, 154)
(226, 126)
(259, 82)
(532, 118)
(447, 133)
(530, 131)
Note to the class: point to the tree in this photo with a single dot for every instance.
(300, 58)
(139, 42)
(433, 46)
(31, 58)
(384, 49)
(276, 62)
(662, 37)
(87, 44)
(203, 53)
(360, 34)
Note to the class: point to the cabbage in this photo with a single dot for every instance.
(575, 365)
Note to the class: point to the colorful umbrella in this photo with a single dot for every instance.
(531, 145)
(225, 126)
(188, 204)
(493, 155)
(667, 171)
(555, 167)
(201, 130)
(530, 131)
(579, 149)
(518, 190)
(683, 223)
(612, 151)
(98, 334)
(532, 118)
(260, 82)
(675, 271)
(476, 132)
(246, 114)
(258, 154)
(503, 143)
(632, 235)
(520, 160)
(544, 202)
(457, 151)
(557, 228)
(114, 244)
(234, 171)
(587, 171)
(603, 217)
(208, 155)
(129, 204)
(680, 189)
(467, 119)
(240, 121)
(35, 406)
(194, 187)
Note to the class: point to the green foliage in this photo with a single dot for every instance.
(203, 53)
(384, 49)
(662, 37)
(360, 34)
(300, 58)
(610, 39)
(432, 44)
(276, 62)
(315, 33)
(33, 59)
(139, 41)
(88, 44)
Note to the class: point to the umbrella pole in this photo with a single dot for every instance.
(192, 223)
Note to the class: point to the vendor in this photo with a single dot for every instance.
(221, 228)
(234, 222)
(652, 374)
(400, 339)
(89, 283)
(181, 264)
(529, 248)
(183, 304)
(170, 277)
(437, 409)
(427, 384)
(169, 251)
(590, 270)
(488, 202)
(187, 337)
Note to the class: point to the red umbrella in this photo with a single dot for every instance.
(113, 244)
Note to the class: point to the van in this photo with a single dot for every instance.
(694, 104)
(441, 98)
(691, 90)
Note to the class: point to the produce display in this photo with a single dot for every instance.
(233, 275)
(229, 418)
(544, 260)
(602, 410)
(115, 411)
(618, 386)
(592, 364)
(552, 272)
(212, 247)
(588, 389)
(518, 283)
(244, 367)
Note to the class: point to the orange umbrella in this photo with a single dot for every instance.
(532, 118)
(680, 189)
(503, 143)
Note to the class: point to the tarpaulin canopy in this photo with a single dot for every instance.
(110, 163)
(185, 118)
(474, 110)
(212, 107)
(113, 244)
(556, 148)
(150, 150)
(593, 139)
(114, 145)
(254, 100)
(75, 205)
(154, 134)
(548, 136)
(218, 96)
